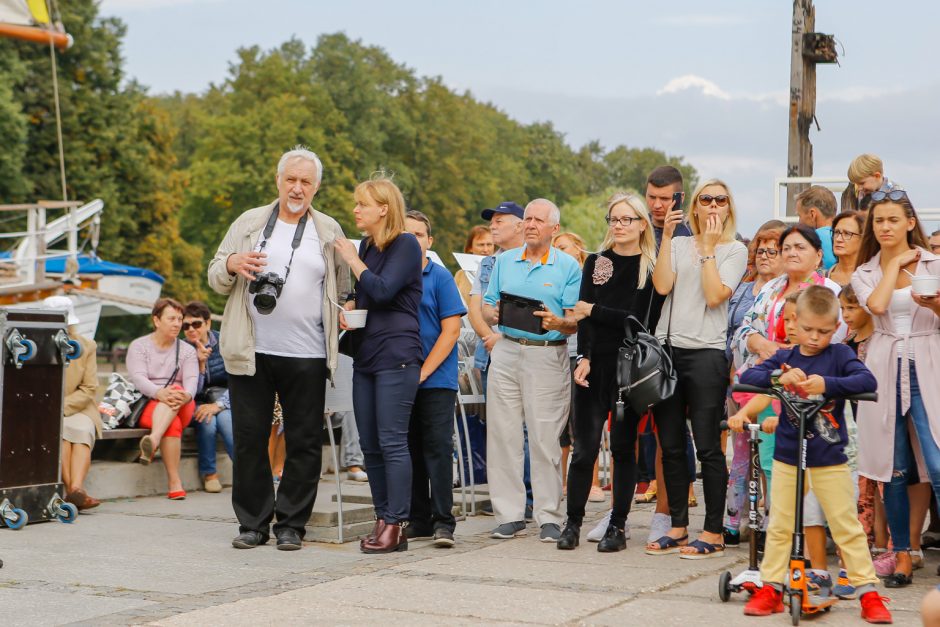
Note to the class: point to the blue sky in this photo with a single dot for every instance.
(709, 82)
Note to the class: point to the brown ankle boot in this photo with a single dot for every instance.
(376, 530)
(390, 539)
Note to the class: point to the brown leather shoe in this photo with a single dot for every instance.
(390, 539)
(81, 500)
(376, 530)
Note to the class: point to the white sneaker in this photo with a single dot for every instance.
(597, 533)
(659, 526)
(357, 475)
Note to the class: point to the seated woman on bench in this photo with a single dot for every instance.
(166, 371)
(81, 424)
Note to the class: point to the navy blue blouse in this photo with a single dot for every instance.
(391, 290)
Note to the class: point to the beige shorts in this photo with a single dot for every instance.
(79, 429)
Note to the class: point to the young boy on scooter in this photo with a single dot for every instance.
(812, 367)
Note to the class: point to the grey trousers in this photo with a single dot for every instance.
(350, 452)
(531, 386)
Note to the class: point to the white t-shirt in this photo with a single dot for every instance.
(901, 310)
(295, 327)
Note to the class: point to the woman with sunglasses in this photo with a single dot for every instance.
(846, 240)
(904, 355)
(697, 275)
(615, 283)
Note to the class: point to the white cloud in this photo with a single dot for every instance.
(691, 81)
(701, 20)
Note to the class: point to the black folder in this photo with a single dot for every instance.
(518, 312)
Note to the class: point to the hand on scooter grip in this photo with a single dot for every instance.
(736, 422)
(770, 424)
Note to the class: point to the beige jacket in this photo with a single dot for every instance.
(81, 383)
(237, 335)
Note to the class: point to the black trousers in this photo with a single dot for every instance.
(700, 398)
(431, 443)
(592, 405)
(301, 386)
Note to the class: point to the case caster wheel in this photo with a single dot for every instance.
(724, 587)
(15, 518)
(21, 349)
(69, 348)
(67, 513)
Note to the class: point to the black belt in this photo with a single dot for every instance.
(528, 342)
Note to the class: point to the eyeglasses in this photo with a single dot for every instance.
(706, 200)
(893, 195)
(769, 252)
(621, 221)
(195, 324)
(846, 235)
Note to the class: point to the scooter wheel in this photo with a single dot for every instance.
(724, 587)
(21, 519)
(67, 513)
(796, 607)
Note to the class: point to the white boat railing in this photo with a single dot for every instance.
(26, 264)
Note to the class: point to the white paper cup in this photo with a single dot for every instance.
(925, 285)
(356, 318)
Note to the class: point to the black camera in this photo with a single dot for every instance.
(266, 287)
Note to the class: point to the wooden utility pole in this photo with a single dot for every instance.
(808, 48)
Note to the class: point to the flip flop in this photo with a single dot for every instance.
(703, 550)
(667, 545)
(146, 450)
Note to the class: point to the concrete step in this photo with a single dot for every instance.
(351, 533)
(113, 480)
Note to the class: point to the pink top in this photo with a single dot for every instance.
(876, 420)
(149, 366)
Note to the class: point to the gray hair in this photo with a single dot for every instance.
(554, 214)
(300, 152)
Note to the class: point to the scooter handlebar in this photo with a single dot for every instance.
(742, 387)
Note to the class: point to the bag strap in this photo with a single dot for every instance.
(672, 305)
(177, 369)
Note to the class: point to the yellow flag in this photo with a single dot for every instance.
(39, 10)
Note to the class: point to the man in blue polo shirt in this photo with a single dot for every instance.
(529, 382)
(431, 432)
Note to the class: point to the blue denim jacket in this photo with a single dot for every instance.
(481, 358)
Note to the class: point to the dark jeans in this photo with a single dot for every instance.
(382, 402)
(431, 442)
(700, 398)
(590, 416)
(301, 385)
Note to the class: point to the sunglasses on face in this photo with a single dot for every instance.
(706, 199)
(845, 235)
(770, 253)
(195, 324)
(894, 195)
(621, 221)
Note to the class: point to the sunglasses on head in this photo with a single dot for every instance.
(893, 195)
(707, 199)
(195, 324)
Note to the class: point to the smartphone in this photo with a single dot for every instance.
(677, 201)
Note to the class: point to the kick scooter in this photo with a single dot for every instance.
(801, 602)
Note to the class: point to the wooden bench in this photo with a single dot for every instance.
(123, 434)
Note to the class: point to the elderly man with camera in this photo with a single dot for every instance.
(280, 270)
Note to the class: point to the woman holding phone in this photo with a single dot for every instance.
(697, 275)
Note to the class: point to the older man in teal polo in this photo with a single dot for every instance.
(529, 378)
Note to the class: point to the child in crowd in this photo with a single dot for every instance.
(814, 367)
(867, 173)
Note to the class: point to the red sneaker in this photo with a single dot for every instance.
(874, 610)
(766, 601)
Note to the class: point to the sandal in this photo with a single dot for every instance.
(693, 502)
(898, 580)
(667, 545)
(647, 497)
(703, 550)
(146, 450)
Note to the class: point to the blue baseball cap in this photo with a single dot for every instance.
(504, 207)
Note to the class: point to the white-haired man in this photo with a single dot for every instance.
(529, 379)
(279, 269)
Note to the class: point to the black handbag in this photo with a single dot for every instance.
(645, 372)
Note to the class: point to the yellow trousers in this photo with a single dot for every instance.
(833, 487)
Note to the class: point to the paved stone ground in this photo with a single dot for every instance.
(153, 561)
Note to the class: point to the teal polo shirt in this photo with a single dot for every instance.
(555, 279)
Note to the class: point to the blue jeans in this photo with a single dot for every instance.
(206, 432)
(897, 505)
(382, 402)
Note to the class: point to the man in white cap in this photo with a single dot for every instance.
(81, 424)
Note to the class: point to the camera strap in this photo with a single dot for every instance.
(295, 243)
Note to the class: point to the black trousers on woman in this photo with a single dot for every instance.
(592, 405)
(700, 398)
